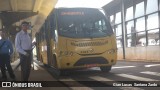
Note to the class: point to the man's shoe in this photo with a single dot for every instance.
(13, 79)
(3, 79)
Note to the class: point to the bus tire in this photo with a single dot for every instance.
(45, 65)
(54, 61)
(106, 68)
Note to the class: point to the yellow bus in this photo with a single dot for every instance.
(74, 38)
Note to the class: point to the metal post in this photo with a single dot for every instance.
(123, 27)
(159, 20)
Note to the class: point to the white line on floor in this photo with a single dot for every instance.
(99, 78)
(123, 67)
(136, 77)
(151, 73)
(152, 65)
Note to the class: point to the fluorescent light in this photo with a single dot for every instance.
(82, 3)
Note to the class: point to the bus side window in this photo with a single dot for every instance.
(53, 25)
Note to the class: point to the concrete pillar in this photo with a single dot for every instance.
(0, 24)
(0, 27)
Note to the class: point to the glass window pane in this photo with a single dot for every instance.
(129, 40)
(152, 6)
(140, 24)
(158, 42)
(129, 13)
(111, 18)
(119, 42)
(141, 39)
(119, 30)
(139, 9)
(114, 31)
(152, 21)
(153, 37)
(118, 18)
(129, 27)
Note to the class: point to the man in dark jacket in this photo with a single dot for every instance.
(6, 51)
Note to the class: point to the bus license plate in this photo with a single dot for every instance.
(91, 65)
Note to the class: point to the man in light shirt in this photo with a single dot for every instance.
(23, 43)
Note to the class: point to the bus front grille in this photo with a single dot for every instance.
(91, 60)
(84, 44)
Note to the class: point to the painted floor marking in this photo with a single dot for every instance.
(152, 65)
(99, 78)
(151, 73)
(123, 67)
(136, 77)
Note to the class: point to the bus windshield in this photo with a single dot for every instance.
(82, 23)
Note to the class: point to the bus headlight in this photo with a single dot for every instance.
(65, 53)
(111, 51)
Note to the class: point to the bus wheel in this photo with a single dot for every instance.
(106, 68)
(54, 63)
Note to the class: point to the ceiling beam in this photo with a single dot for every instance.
(14, 5)
(8, 18)
(37, 5)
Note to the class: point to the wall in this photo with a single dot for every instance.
(148, 54)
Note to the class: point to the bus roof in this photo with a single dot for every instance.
(76, 7)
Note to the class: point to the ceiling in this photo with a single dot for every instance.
(115, 6)
(13, 12)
